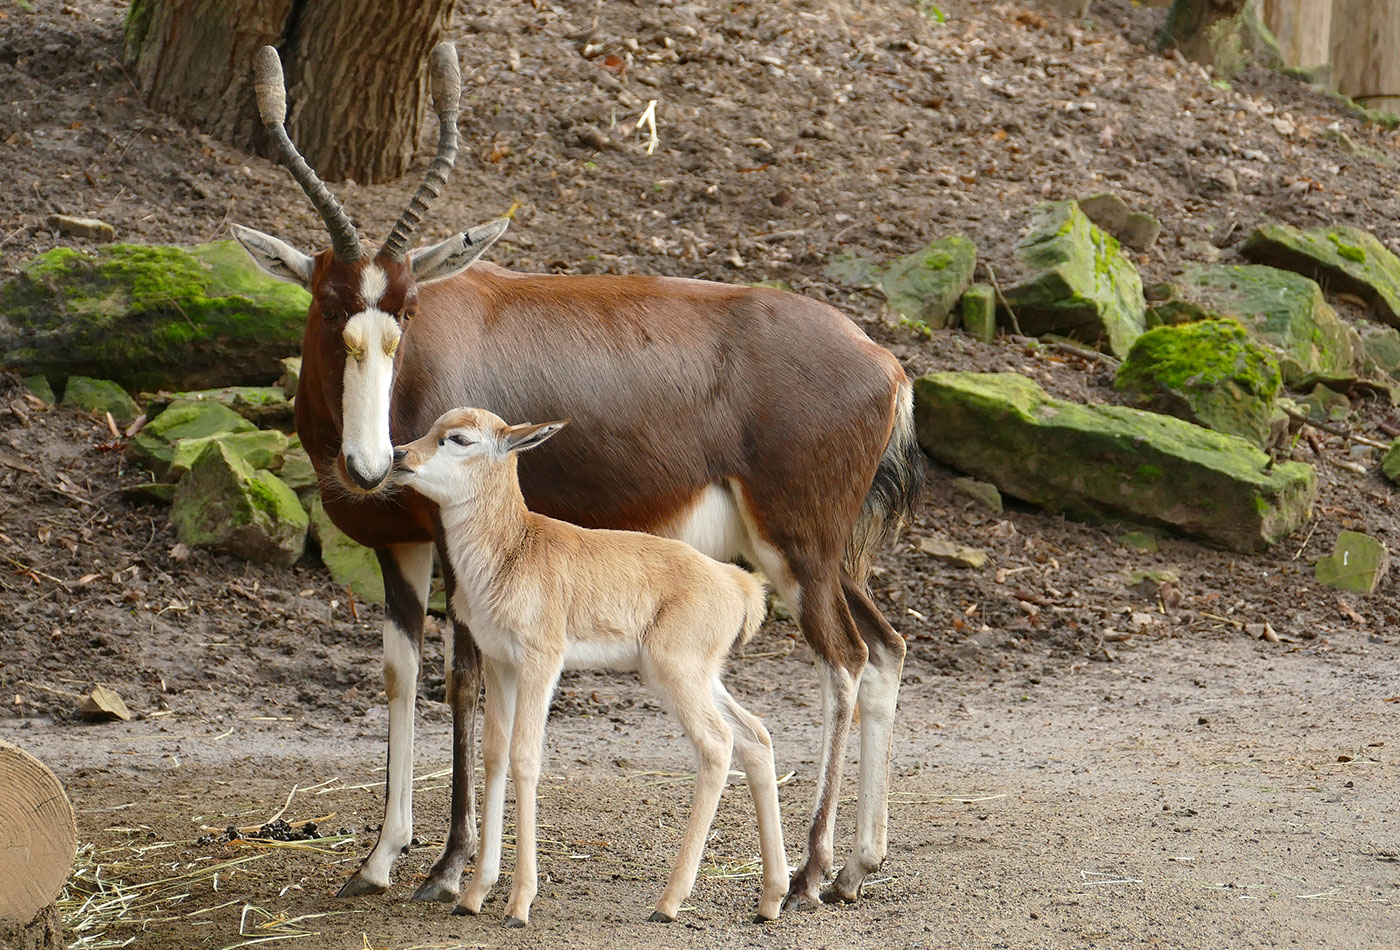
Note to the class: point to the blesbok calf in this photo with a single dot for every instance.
(747, 421)
(541, 595)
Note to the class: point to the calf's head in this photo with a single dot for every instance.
(465, 454)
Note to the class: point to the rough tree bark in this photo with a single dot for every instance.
(1209, 32)
(1366, 52)
(38, 840)
(1302, 28)
(356, 73)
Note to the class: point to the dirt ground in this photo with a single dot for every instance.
(1094, 749)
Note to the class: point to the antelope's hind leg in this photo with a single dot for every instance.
(407, 571)
(877, 697)
(495, 753)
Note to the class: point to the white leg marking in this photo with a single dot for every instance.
(401, 682)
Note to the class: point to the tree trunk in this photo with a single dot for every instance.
(357, 82)
(1366, 52)
(1210, 32)
(1302, 28)
(38, 840)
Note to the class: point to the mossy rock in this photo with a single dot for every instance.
(1284, 311)
(1340, 258)
(297, 470)
(261, 449)
(979, 312)
(1078, 283)
(224, 505)
(1111, 461)
(290, 379)
(149, 317)
(1381, 346)
(100, 396)
(350, 564)
(1325, 404)
(924, 287)
(155, 443)
(1390, 464)
(38, 385)
(263, 406)
(1211, 373)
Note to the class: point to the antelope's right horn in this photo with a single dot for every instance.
(271, 92)
(446, 80)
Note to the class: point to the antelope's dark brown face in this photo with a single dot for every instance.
(361, 305)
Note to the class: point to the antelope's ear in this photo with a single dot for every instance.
(457, 253)
(523, 437)
(277, 258)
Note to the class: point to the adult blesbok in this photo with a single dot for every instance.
(746, 421)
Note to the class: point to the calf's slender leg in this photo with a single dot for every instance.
(537, 677)
(689, 696)
(407, 570)
(495, 752)
(753, 747)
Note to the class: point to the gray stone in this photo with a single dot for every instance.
(155, 443)
(923, 287)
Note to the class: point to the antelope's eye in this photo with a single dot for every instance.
(460, 440)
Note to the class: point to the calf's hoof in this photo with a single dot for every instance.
(360, 887)
(462, 910)
(659, 918)
(435, 892)
(514, 923)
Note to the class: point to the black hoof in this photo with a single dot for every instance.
(515, 923)
(659, 918)
(760, 919)
(359, 887)
(462, 910)
(435, 892)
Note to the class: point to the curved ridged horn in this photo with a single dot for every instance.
(272, 106)
(446, 81)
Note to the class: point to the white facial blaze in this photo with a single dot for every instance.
(371, 337)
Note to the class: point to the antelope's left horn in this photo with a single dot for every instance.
(271, 92)
(446, 81)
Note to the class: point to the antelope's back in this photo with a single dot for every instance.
(671, 385)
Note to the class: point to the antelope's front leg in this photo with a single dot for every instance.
(537, 678)
(407, 570)
(495, 752)
(444, 881)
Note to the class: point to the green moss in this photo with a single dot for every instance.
(1085, 460)
(1211, 373)
(1149, 471)
(150, 317)
(1348, 251)
(924, 287)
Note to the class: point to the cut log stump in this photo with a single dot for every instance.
(38, 841)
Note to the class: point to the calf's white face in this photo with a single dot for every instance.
(460, 453)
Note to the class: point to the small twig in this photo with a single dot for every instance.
(1334, 430)
(1303, 546)
(26, 569)
(996, 288)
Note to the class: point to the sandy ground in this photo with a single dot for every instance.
(1193, 794)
